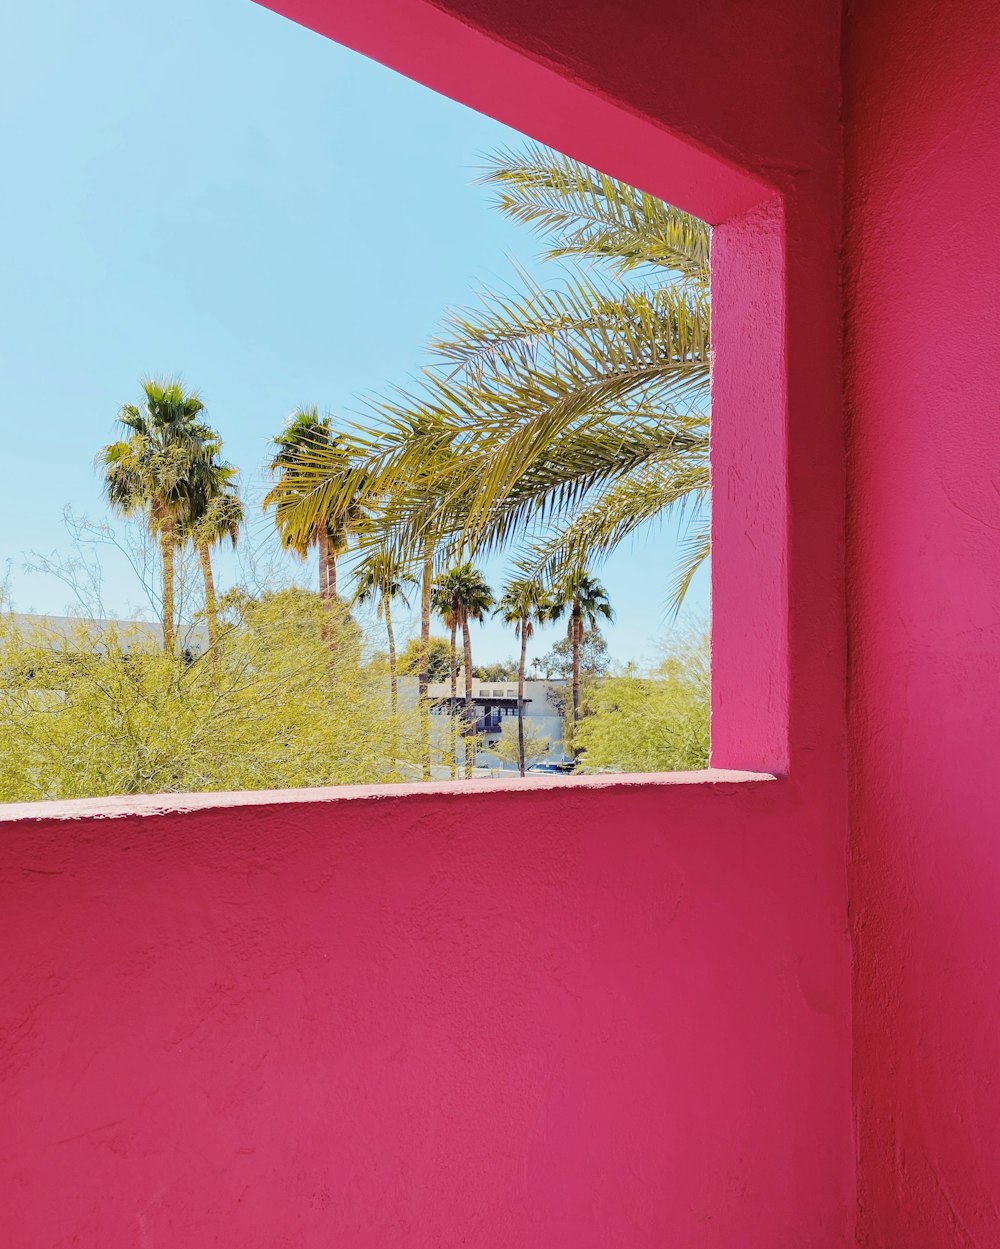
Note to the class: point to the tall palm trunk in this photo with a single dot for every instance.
(331, 570)
(470, 714)
(453, 705)
(323, 550)
(423, 678)
(327, 584)
(211, 601)
(576, 633)
(167, 607)
(520, 697)
(393, 678)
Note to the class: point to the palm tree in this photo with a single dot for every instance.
(446, 601)
(382, 577)
(583, 407)
(468, 598)
(524, 603)
(303, 519)
(424, 674)
(150, 472)
(215, 514)
(584, 599)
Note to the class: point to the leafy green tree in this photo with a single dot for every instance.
(438, 658)
(522, 746)
(558, 662)
(582, 599)
(524, 603)
(659, 723)
(85, 713)
(149, 473)
(502, 670)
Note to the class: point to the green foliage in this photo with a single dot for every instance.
(558, 662)
(536, 744)
(439, 658)
(505, 670)
(461, 594)
(659, 723)
(98, 712)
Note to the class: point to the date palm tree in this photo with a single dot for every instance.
(559, 420)
(524, 603)
(583, 599)
(149, 472)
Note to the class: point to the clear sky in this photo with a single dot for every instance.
(201, 188)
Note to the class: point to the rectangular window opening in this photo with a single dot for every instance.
(372, 384)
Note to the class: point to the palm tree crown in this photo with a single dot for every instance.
(583, 597)
(462, 596)
(382, 577)
(559, 420)
(524, 602)
(584, 600)
(150, 471)
(306, 517)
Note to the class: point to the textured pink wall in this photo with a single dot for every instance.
(598, 1019)
(923, 195)
(561, 1016)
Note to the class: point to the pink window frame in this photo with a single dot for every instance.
(750, 650)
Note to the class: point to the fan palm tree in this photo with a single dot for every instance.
(583, 599)
(215, 514)
(330, 522)
(524, 603)
(446, 601)
(563, 419)
(150, 471)
(382, 577)
(465, 597)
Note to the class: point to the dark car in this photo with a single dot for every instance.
(552, 768)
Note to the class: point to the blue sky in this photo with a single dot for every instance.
(207, 190)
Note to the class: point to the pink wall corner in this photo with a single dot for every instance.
(923, 295)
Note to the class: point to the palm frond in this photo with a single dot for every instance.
(621, 508)
(695, 548)
(584, 213)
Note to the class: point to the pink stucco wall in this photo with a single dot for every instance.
(550, 1018)
(923, 196)
(607, 1015)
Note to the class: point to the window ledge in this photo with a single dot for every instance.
(172, 804)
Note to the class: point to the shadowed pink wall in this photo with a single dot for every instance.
(923, 307)
(594, 1016)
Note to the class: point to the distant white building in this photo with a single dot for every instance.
(496, 703)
